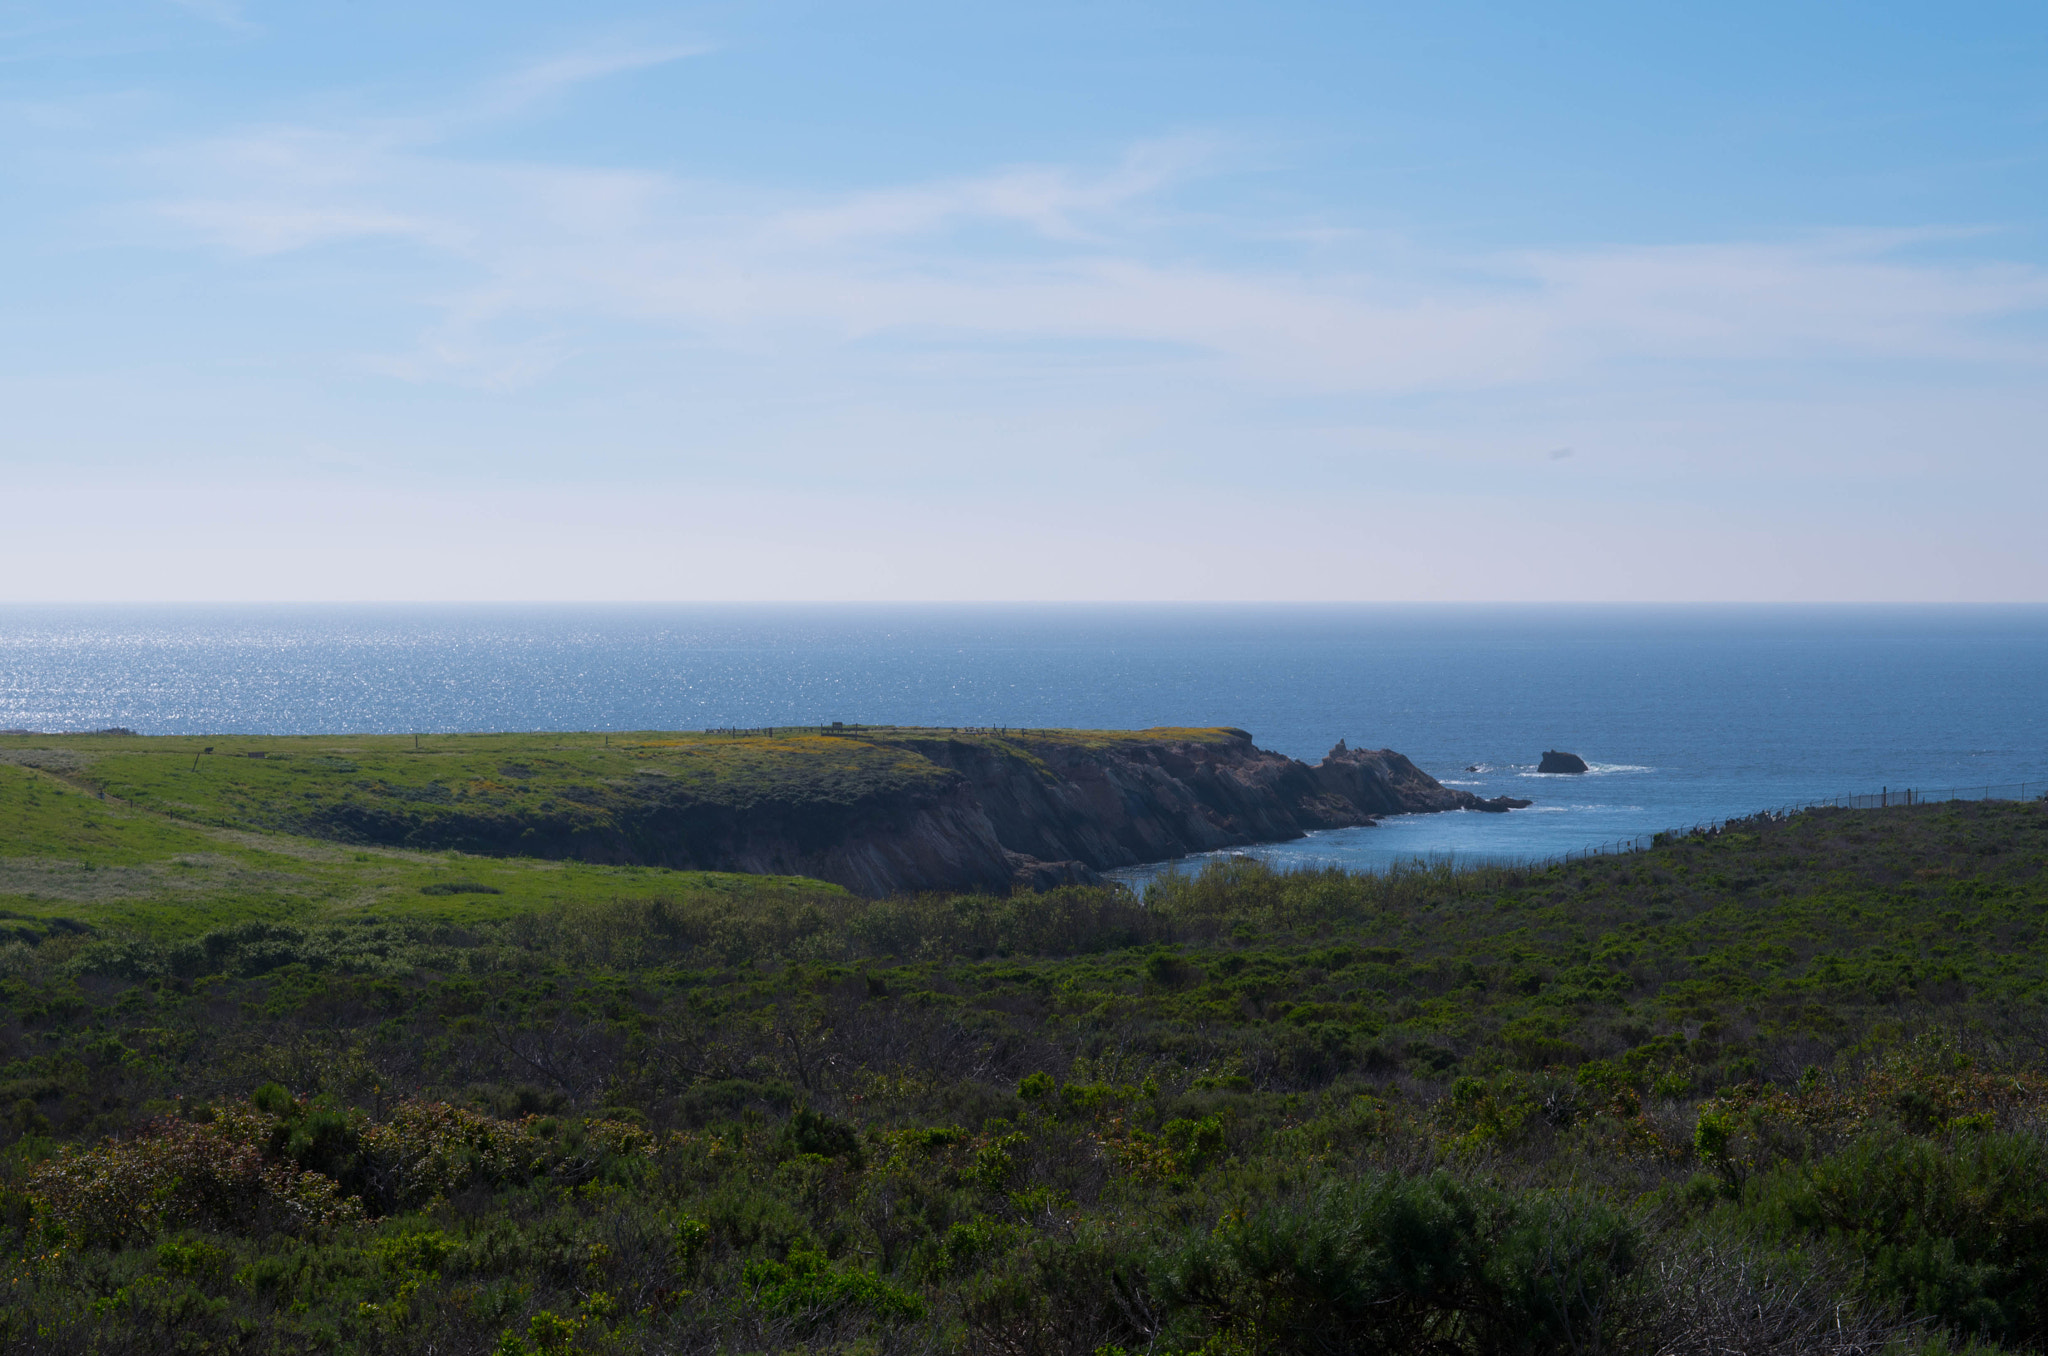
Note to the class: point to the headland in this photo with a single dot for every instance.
(878, 810)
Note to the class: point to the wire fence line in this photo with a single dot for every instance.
(1884, 798)
(1911, 796)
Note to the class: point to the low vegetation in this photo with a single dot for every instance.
(596, 798)
(1782, 1088)
(73, 859)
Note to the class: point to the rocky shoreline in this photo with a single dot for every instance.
(880, 811)
(1035, 812)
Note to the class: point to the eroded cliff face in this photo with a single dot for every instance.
(972, 811)
(1064, 812)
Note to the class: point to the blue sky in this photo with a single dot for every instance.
(1108, 301)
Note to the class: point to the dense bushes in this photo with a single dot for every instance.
(1418, 1264)
(277, 1163)
(1956, 1228)
(1064, 1227)
(1608, 1108)
(175, 1174)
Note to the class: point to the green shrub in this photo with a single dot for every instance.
(178, 1173)
(1381, 1265)
(810, 1132)
(1195, 1144)
(1552, 1274)
(1955, 1230)
(417, 1250)
(190, 1257)
(808, 1288)
(273, 1099)
(1408, 1264)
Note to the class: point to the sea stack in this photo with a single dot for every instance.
(1554, 761)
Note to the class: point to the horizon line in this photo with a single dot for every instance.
(1030, 602)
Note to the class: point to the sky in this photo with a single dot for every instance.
(359, 300)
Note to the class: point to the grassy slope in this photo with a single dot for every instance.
(66, 854)
(573, 784)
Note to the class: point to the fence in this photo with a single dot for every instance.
(1885, 798)
(1910, 796)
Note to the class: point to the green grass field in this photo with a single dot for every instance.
(560, 796)
(144, 862)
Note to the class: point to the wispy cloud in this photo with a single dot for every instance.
(1058, 203)
(270, 227)
(557, 74)
(1064, 253)
(1089, 308)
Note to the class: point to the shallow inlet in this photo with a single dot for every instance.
(1571, 814)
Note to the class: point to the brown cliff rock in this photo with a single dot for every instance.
(933, 810)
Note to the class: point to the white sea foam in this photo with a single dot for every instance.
(1592, 770)
(1602, 808)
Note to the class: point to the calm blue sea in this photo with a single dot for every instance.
(1687, 714)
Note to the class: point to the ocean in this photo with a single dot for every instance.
(1685, 714)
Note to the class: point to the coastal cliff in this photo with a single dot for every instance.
(879, 811)
(959, 812)
(1065, 810)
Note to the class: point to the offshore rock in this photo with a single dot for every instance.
(1555, 761)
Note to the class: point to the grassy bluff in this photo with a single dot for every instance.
(876, 810)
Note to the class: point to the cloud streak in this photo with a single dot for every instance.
(1049, 255)
(556, 75)
(1058, 254)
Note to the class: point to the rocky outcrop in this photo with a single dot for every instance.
(1024, 810)
(1556, 761)
(1064, 811)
